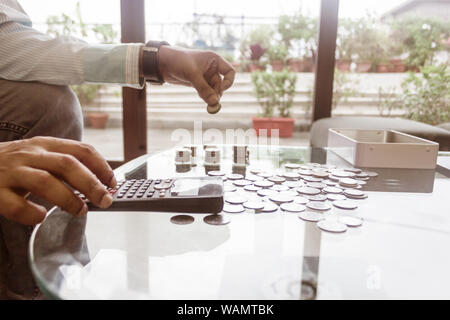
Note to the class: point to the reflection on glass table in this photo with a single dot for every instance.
(400, 251)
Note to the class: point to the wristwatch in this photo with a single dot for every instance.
(150, 62)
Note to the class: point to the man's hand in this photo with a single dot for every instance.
(206, 71)
(44, 167)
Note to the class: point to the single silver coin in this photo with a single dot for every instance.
(292, 207)
(311, 179)
(332, 190)
(353, 170)
(266, 192)
(361, 182)
(335, 196)
(276, 179)
(182, 219)
(342, 174)
(332, 225)
(269, 207)
(362, 178)
(301, 200)
(308, 190)
(216, 219)
(235, 199)
(318, 206)
(280, 187)
(252, 177)
(264, 184)
(279, 199)
(317, 185)
(291, 176)
(351, 221)
(348, 182)
(216, 173)
(317, 197)
(313, 164)
(354, 193)
(333, 178)
(251, 188)
(304, 172)
(233, 208)
(255, 170)
(291, 166)
(328, 166)
(329, 183)
(264, 174)
(235, 176)
(291, 184)
(362, 175)
(320, 174)
(229, 188)
(213, 109)
(257, 206)
(241, 183)
(371, 174)
(288, 193)
(345, 204)
(311, 216)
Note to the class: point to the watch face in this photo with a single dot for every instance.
(151, 49)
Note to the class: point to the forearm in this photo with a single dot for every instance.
(29, 55)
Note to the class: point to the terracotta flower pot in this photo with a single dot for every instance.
(382, 68)
(285, 126)
(277, 65)
(254, 67)
(343, 64)
(98, 120)
(295, 65)
(308, 65)
(363, 66)
(398, 65)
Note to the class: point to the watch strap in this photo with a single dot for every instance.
(150, 68)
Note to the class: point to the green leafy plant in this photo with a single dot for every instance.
(343, 88)
(426, 96)
(273, 91)
(387, 101)
(299, 33)
(421, 38)
(278, 51)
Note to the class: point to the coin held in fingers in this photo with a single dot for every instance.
(214, 108)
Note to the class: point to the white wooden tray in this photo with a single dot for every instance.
(383, 149)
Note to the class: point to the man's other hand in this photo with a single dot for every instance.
(47, 167)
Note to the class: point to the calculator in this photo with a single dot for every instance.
(186, 194)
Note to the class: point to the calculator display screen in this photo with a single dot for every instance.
(186, 187)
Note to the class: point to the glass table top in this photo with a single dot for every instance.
(400, 251)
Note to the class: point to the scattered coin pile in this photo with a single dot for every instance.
(309, 190)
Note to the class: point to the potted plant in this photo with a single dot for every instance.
(257, 51)
(344, 45)
(87, 94)
(275, 94)
(298, 32)
(277, 56)
(398, 64)
(420, 39)
(253, 46)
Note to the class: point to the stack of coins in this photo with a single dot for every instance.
(193, 149)
(241, 155)
(212, 157)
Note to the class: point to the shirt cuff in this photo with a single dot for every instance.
(132, 66)
(117, 64)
